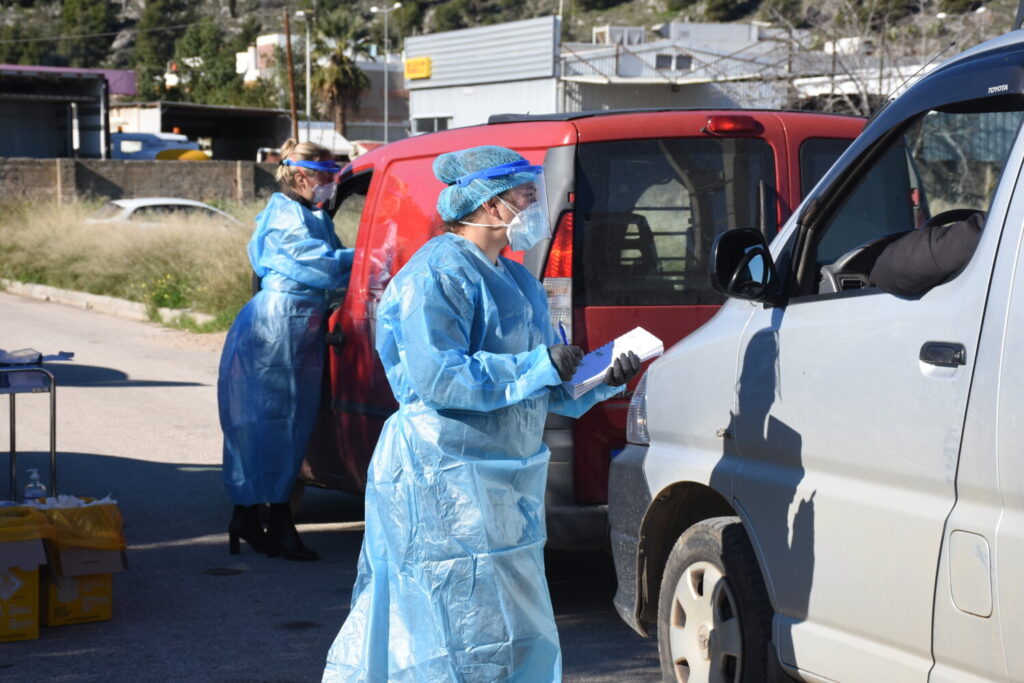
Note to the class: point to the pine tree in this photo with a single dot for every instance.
(86, 17)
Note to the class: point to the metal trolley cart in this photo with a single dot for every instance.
(21, 377)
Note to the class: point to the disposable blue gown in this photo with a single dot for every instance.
(451, 580)
(268, 388)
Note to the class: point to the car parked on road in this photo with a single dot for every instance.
(146, 211)
(636, 199)
(825, 479)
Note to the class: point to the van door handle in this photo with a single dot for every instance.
(944, 354)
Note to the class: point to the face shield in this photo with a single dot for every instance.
(527, 200)
(323, 193)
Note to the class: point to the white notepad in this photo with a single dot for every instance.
(595, 364)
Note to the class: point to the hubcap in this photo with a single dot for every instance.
(704, 628)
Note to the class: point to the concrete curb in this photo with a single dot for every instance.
(131, 310)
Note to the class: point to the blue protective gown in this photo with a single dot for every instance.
(451, 582)
(268, 389)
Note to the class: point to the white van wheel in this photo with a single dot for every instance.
(714, 618)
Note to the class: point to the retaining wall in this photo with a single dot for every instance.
(69, 179)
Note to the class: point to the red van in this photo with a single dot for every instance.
(636, 199)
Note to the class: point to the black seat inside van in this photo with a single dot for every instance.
(622, 247)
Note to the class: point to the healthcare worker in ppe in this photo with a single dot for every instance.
(268, 388)
(451, 580)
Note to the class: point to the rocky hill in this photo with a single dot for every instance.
(146, 34)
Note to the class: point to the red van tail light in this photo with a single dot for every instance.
(731, 123)
(560, 255)
(558, 275)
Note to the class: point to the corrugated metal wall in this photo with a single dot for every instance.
(472, 105)
(592, 96)
(515, 51)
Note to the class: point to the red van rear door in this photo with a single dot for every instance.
(647, 209)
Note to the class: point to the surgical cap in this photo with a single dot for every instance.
(456, 201)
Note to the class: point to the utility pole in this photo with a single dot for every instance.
(291, 76)
(307, 15)
(387, 54)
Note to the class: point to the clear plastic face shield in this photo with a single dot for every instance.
(527, 201)
(327, 175)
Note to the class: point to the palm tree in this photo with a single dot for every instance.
(340, 82)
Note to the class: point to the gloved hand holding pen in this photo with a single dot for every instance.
(566, 358)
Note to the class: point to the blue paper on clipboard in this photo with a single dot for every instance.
(595, 364)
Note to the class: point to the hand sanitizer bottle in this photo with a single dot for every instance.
(34, 489)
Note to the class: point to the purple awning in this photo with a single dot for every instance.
(120, 81)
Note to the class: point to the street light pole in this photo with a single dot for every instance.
(387, 54)
(307, 16)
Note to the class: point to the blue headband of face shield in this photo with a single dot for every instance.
(323, 166)
(521, 166)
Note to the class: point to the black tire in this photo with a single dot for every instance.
(735, 607)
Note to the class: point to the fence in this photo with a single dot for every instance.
(67, 180)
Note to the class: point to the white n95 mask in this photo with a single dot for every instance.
(529, 227)
(324, 194)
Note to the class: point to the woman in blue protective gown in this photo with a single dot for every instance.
(451, 582)
(268, 388)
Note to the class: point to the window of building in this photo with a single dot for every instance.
(430, 124)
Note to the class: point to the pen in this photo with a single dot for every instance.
(561, 330)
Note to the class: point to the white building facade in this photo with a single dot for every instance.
(461, 78)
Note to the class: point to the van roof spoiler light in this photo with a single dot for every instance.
(724, 124)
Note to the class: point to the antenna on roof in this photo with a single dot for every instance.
(1017, 22)
(888, 98)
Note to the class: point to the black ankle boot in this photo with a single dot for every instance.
(245, 524)
(283, 539)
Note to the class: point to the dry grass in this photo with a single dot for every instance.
(183, 263)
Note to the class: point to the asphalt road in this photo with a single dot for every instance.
(137, 419)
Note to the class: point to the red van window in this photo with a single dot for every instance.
(648, 210)
(816, 156)
(351, 201)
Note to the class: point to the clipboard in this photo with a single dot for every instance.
(595, 364)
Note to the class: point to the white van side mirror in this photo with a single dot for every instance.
(742, 267)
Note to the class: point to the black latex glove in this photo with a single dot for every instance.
(566, 358)
(622, 370)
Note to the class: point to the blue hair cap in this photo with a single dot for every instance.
(475, 175)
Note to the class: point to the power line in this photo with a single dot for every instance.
(97, 35)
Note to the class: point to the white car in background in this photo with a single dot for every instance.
(146, 211)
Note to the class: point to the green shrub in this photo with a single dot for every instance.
(189, 264)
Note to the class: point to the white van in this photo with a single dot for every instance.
(826, 480)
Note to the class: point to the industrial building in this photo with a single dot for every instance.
(227, 133)
(461, 78)
(48, 112)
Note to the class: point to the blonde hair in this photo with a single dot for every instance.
(298, 151)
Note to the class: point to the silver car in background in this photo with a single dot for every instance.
(145, 211)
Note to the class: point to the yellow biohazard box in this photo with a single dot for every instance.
(22, 531)
(76, 599)
(88, 547)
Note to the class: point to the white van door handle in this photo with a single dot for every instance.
(943, 354)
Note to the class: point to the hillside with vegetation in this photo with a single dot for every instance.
(147, 35)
